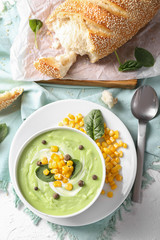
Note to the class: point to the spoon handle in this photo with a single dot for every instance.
(141, 142)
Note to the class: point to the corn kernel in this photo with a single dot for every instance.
(44, 161)
(110, 194)
(72, 124)
(113, 187)
(61, 156)
(107, 150)
(69, 163)
(116, 145)
(68, 186)
(105, 125)
(79, 116)
(102, 192)
(62, 162)
(60, 124)
(125, 145)
(59, 164)
(112, 148)
(112, 139)
(120, 143)
(104, 155)
(112, 155)
(109, 166)
(60, 170)
(119, 177)
(112, 183)
(65, 180)
(71, 116)
(114, 162)
(98, 144)
(81, 123)
(54, 149)
(111, 133)
(71, 168)
(58, 176)
(65, 169)
(68, 175)
(50, 165)
(54, 165)
(106, 180)
(107, 129)
(114, 169)
(108, 158)
(120, 154)
(108, 142)
(46, 172)
(76, 119)
(54, 171)
(109, 174)
(82, 130)
(118, 167)
(65, 121)
(110, 179)
(117, 160)
(104, 144)
(77, 126)
(116, 153)
(114, 174)
(57, 184)
(116, 134)
(55, 157)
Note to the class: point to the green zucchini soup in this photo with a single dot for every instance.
(60, 172)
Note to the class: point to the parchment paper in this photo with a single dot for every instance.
(24, 53)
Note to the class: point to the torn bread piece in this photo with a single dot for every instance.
(8, 97)
(56, 67)
(108, 99)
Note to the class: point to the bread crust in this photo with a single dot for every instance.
(8, 97)
(48, 66)
(109, 25)
(121, 19)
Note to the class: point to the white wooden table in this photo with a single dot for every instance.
(142, 223)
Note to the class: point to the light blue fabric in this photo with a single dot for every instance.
(36, 95)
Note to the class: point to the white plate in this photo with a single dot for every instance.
(49, 116)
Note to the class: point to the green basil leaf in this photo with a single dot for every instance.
(35, 25)
(130, 65)
(3, 131)
(39, 25)
(94, 124)
(144, 57)
(41, 176)
(77, 167)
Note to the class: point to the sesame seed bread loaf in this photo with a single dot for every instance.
(8, 97)
(96, 27)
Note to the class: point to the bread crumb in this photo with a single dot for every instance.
(108, 99)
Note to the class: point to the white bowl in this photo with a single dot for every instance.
(15, 180)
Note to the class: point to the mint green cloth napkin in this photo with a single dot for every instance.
(36, 95)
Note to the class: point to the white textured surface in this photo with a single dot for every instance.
(142, 223)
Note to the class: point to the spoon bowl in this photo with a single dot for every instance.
(145, 103)
(144, 107)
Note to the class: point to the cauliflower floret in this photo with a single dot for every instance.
(108, 99)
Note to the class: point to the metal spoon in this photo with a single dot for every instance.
(144, 106)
